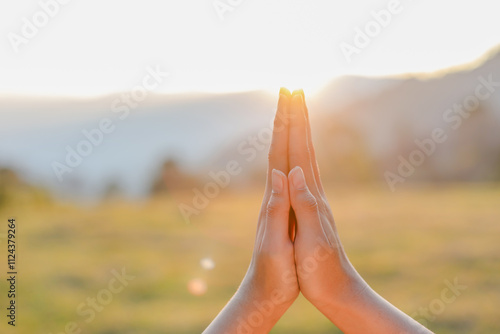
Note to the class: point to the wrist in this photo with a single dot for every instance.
(361, 310)
(258, 312)
(269, 303)
(247, 312)
(349, 292)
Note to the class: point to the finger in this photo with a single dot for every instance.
(298, 150)
(304, 205)
(278, 150)
(312, 151)
(277, 210)
(278, 153)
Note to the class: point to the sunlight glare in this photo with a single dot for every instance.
(197, 287)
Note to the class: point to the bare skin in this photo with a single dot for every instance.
(300, 250)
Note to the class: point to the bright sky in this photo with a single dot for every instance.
(95, 47)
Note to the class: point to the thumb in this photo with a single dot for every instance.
(304, 203)
(278, 209)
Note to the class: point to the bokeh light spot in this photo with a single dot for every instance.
(197, 287)
(207, 263)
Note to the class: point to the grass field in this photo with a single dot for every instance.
(405, 244)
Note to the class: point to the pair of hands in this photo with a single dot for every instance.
(297, 250)
(297, 247)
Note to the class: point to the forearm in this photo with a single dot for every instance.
(364, 311)
(247, 313)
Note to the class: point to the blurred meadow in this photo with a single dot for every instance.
(133, 155)
(405, 244)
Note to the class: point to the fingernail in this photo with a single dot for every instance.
(285, 91)
(277, 181)
(297, 97)
(299, 92)
(298, 180)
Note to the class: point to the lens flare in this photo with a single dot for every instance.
(207, 263)
(197, 287)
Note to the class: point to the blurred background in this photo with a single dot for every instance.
(134, 136)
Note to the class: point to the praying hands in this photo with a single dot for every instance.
(297, 247)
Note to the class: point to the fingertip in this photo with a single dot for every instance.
(297, 178)
(298, 92)
(296, 104)
(280, 173)
(285, 91)
(292, 171)
(298, 97)
(278, 181)
(302, 200)
(284, 98)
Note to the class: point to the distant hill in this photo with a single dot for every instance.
(410, 109)
(35, 132)
(361, 128)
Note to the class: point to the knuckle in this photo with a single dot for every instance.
(308, 201)
(274, 206)
(323, 201)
